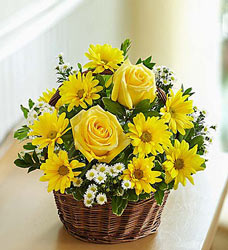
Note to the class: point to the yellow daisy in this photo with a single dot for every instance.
(181, 163)
(49, 129)
(176, 112)
(79, 90)
(148, 136)
(140, 175)
(46, 97)
(103, 57)
(58, 171)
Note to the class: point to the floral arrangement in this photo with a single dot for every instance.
(115, 132)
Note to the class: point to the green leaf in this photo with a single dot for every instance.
(144, 196)
(139, 61)
(35, 157)
(29, 146)
(122, 207)
(21, 163)
(118, 205)
(197, 140)
(142, 106)
(151, 113)
(32, 168)
(114, 107)
(162, 186)
(28, 158)
(125, 46)
(25, 111)
(132, 196)
(159, 195)
(77, 195)
(30, 103)
(21, 133)
(80, 67)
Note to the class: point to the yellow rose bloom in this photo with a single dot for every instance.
(148, 136)
(103, 57)
(132, 84)
(176, 112)
(140, 175)
(58, 171)
(48, 130)
(46, 97)
(98, 134)
(79, 90)
(181, 163)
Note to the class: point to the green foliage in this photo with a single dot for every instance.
(118, 205)
(114, 107)
(147, 62)
(79, 67)
(30, 161)
(25, 111)
(125, 46)
(29, 146)
(31, 103)
(22, 133)
(159, 195)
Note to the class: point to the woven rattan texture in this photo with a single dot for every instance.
(99, 225)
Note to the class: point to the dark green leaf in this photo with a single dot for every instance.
(77, 195)
(25, 111)
(151, 113)
(122, 207)
(144, 196)
(132, 195)
(29, 146)
(162, 186)
(114, 107)
(142, 106)
(139, 61)
(118, 205)
(159, 195)
(30, 103)
(32, 168)
(80, 67)
(28, 158)
(35, 157)
(21, 163)
(197, 140)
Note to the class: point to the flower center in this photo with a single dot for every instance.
(179, 164)
(138, 174)
(52, 134)
(80, 93)
(146, 136)
(63, 170)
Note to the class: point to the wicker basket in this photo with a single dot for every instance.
(99, 225)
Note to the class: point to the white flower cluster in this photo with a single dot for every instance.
(163, 75)
(99, 174)
(39, 109)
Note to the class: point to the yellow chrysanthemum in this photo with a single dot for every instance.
(58, 171)
(148, 136)
(79, 90)
(176, 112)
(140, 175)
(49, 129)
(181, 163)
(103, 57)
(46, 97)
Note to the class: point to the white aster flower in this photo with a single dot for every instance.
(112, 171)
(77, 182)
(93, 188)
(102, 168)
(126, 184)
(90, 195)
(88, 202)
(119, 167)
(101, 198)
(91, 174)
(100, 178)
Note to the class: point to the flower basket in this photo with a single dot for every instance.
(112, 141)
(99, 225)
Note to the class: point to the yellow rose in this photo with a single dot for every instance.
(132, 84)
(98, 134)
